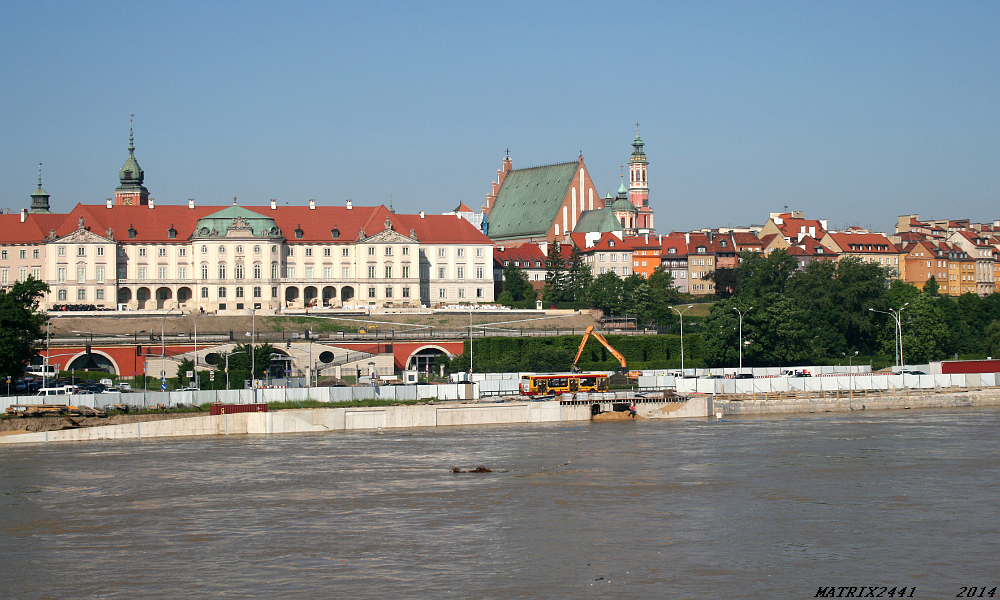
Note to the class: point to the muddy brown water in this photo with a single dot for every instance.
(760, 508)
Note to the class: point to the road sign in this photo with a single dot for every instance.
(211, 375)
(163, 384)
(190, 373)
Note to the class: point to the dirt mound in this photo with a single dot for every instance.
(30, 424)
(614, 416)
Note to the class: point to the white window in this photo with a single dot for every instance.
(81, 274)
(479, 292)
(309, 272)
(600, 257)
(479, 252)
(142, 272)
(100, 274)
(440, 272)
(142, 252)
(326, 252)
(274, 270)
(406, 252)
(291, 272)
(388, 271)
(345, 251)
(602, 270)
(371, 252)
(309, 251)
(442, 292)
(406, 272)
(479, 272)
(461, 272)
(222, 270)
(36, 272)
(161, 252)
(256, 271)
(162, 273)
(441, 252)
(461, 292)
(371, 272)
(80, 251)
(388, 292)
(182, 273)
(61, 251)
(327, 272)
(81, 294)
(345, 272)
(614, 257)
(180, 252)
(388, 252)
(461, 252)
(100, 294)
(23, 274)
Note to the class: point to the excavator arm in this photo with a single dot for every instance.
(604, 342)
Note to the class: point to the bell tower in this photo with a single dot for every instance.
(131, 176)
(638, 187)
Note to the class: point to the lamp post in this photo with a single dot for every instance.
(163, 348)
(895, 314)
(253, 353)
(470, 343)
(680, 313)
(741, 313)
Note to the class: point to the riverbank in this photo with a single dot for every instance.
(848, 403)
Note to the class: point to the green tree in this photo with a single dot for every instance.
(725, 280)
(182, 370)
(925, 334)
(239, 359)
(578, 276)
(605, 293)
(555, 275)
(931, 286)
(992, 341)
(20, 325)
(515, 281)
(758, 275)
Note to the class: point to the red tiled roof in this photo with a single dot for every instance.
(870, 242)
(151, 224)
(530, 253)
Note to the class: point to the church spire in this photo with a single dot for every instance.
(131, 176)
(39, 199)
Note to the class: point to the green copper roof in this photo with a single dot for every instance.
(131, 174)
(597, 220)
(40, 198)
(622, 191)
(218, 223)
(529, 199)
(637, 154)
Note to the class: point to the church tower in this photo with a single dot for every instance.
(39, 199)
(131, 190)
(638, 188)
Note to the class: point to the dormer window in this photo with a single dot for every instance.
(172, 233)
(671, 250)
(335, 233)
(611, 243)
(722, 243)
(131, 232)
(701, 249)
(298, 232)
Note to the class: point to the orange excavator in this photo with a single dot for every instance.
(622, 373)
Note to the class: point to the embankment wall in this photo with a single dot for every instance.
(986, 397)
(354, 418)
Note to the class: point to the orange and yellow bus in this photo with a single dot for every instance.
(533, 385)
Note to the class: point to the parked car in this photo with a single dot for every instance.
(744, 376)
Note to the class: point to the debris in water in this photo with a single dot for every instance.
(479, 469)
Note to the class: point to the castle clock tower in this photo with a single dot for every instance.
(131, 190)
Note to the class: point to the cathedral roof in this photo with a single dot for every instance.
(528, 202)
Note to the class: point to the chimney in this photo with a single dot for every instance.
(350, 204)
(647, 239)
(274, 204)
(501, 249)
(422, 214)
(150, 202)
(24, 214)
(110, 203)
(190, 202)
(312, 204)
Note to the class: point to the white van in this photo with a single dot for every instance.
(57, 391)
(50, 371)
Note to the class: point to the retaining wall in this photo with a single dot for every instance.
(354, 418)
(989, 397)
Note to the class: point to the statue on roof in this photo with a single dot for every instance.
(111, 233)
(388, 224)
(413, 234)
(79, 222)
(52, 234)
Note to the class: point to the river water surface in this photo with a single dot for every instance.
(754, 507)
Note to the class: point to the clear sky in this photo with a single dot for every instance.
(851, 111)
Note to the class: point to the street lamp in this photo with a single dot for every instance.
(163, 350)
(894, 313)
(741, 313)
(680, 313)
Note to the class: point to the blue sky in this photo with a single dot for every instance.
(851, 111)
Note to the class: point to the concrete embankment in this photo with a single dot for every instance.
(748, 406)
(359, 418)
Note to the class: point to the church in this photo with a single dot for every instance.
(546, 204)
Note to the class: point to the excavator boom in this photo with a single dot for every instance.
(604, 342)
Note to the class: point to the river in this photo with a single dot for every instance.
(752, 507)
